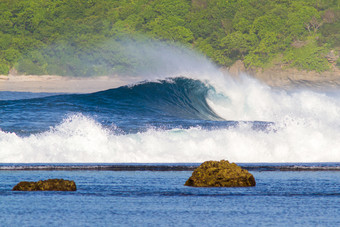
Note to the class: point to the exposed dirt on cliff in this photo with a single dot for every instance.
(280, 76)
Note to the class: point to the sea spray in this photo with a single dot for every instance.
(139, 57)
(251, 100)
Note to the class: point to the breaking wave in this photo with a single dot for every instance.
(188, 119)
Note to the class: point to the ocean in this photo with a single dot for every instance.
(130, 150)
(159, 198)
(172, 120)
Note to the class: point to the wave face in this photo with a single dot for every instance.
(131, 108)
(174, 120)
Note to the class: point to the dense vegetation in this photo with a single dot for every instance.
(83, 37)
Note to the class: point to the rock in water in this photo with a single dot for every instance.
(46, 185)
(220, 174)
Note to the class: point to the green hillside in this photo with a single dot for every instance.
(83, 37)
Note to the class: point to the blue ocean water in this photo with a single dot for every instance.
(174, 120)
(168, 104)
(158, 198)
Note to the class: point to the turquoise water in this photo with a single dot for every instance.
(158, 198)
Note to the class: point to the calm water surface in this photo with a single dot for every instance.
(148, 198)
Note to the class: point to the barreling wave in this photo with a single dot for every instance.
(131, 124)
(179, 97)
(141, 105)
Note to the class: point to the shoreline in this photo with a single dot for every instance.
(274, 77)
(61, 84)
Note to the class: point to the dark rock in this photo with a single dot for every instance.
(220, 174)
(46, 185)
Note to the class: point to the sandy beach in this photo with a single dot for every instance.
(274, 77)
(56, 84)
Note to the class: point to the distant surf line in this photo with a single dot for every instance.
(166, 167)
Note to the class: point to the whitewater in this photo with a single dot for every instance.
(186, 119)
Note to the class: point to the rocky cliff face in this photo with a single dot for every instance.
(282, 76)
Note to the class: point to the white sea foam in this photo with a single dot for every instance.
(304, 131)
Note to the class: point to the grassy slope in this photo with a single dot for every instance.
(83, 38)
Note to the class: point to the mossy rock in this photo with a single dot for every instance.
(46, 185)
(220, 174)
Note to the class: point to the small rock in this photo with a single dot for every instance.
(46, 185)
(220, 174)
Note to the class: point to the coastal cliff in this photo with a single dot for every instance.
(281, 76)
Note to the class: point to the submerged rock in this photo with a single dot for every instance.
(220, 174)
(46, 185)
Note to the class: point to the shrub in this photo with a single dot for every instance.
(309, 57)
